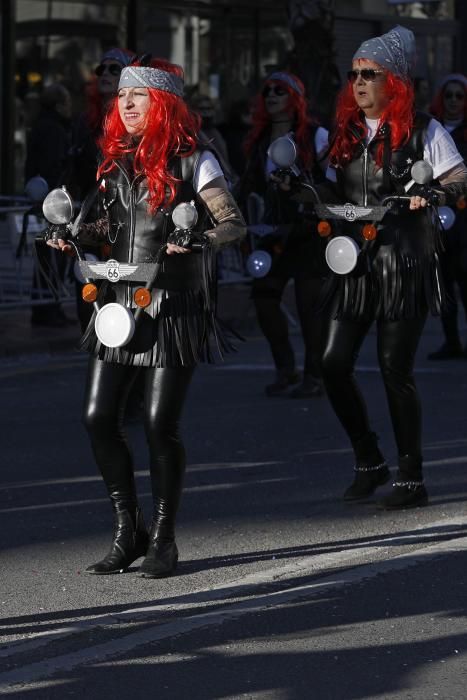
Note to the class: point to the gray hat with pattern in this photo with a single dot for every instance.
(394, 51)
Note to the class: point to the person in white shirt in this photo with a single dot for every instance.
(397, 280)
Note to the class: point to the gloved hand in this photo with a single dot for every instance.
(285, 179)
(187, 239)
(56, 231)
(431, 195)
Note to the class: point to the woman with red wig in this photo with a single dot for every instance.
(450, 108)
(281, 110)
(397, 281)
(151, 162)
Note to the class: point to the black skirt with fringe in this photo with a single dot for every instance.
(398, 276)
(178, 329)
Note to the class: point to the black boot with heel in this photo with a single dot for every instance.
(371, 470)
(162, 555)
(408, 490)
(129, 542)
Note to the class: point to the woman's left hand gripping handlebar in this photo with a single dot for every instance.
(56, 236)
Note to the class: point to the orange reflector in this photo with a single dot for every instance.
(461, 203)
(89, 292)
(324, 228)
(369, 232)
(142, 297)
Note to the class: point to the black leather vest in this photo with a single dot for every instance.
(136, 234)
(176, 327)
(362, 181)
(398, 274)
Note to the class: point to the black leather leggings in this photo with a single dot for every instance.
(267, 295)
(397, 343)
(107, 390)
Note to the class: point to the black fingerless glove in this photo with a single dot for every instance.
(287, 173)
(187, 239)
(429, 193)
(56, 231)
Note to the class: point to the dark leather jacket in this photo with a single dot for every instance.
(362, 182)
(398, 274)
(174, 329)
(136, 234)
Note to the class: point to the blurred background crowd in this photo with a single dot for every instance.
(62, 60)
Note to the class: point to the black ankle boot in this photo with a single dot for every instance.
(310, 388)
(370, 470)
(405, 494)
(162, 555)
(285, 378)
(366, 481)
(408, 490)
(130, 541)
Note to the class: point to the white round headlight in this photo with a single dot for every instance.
(57, 207)
(283, 152)
(114, 325)
(185, 215)
(341, 254)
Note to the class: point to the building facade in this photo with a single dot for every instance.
(226, 46)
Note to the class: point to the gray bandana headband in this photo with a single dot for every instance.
(143, 76)
(394, 51)
(286, 78)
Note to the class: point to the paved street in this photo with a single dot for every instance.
(283, 591)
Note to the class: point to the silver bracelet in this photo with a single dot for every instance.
(370, 469)
(411, 485)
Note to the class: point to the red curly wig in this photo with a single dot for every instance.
(399, 114)
(171, 129)
(437, 106)
(297, 108)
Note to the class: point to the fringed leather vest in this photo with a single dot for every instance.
(174, 329)
(398, 274)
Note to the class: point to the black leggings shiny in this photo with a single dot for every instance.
(397, 343)
(107, 390)
(267, 296)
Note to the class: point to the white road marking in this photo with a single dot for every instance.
(310, 565)
(216, 466)
(257, 603)
(187, 489)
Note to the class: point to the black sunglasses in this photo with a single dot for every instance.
(455, 95)
(274, 90)
(368, 74)
(112, 68)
